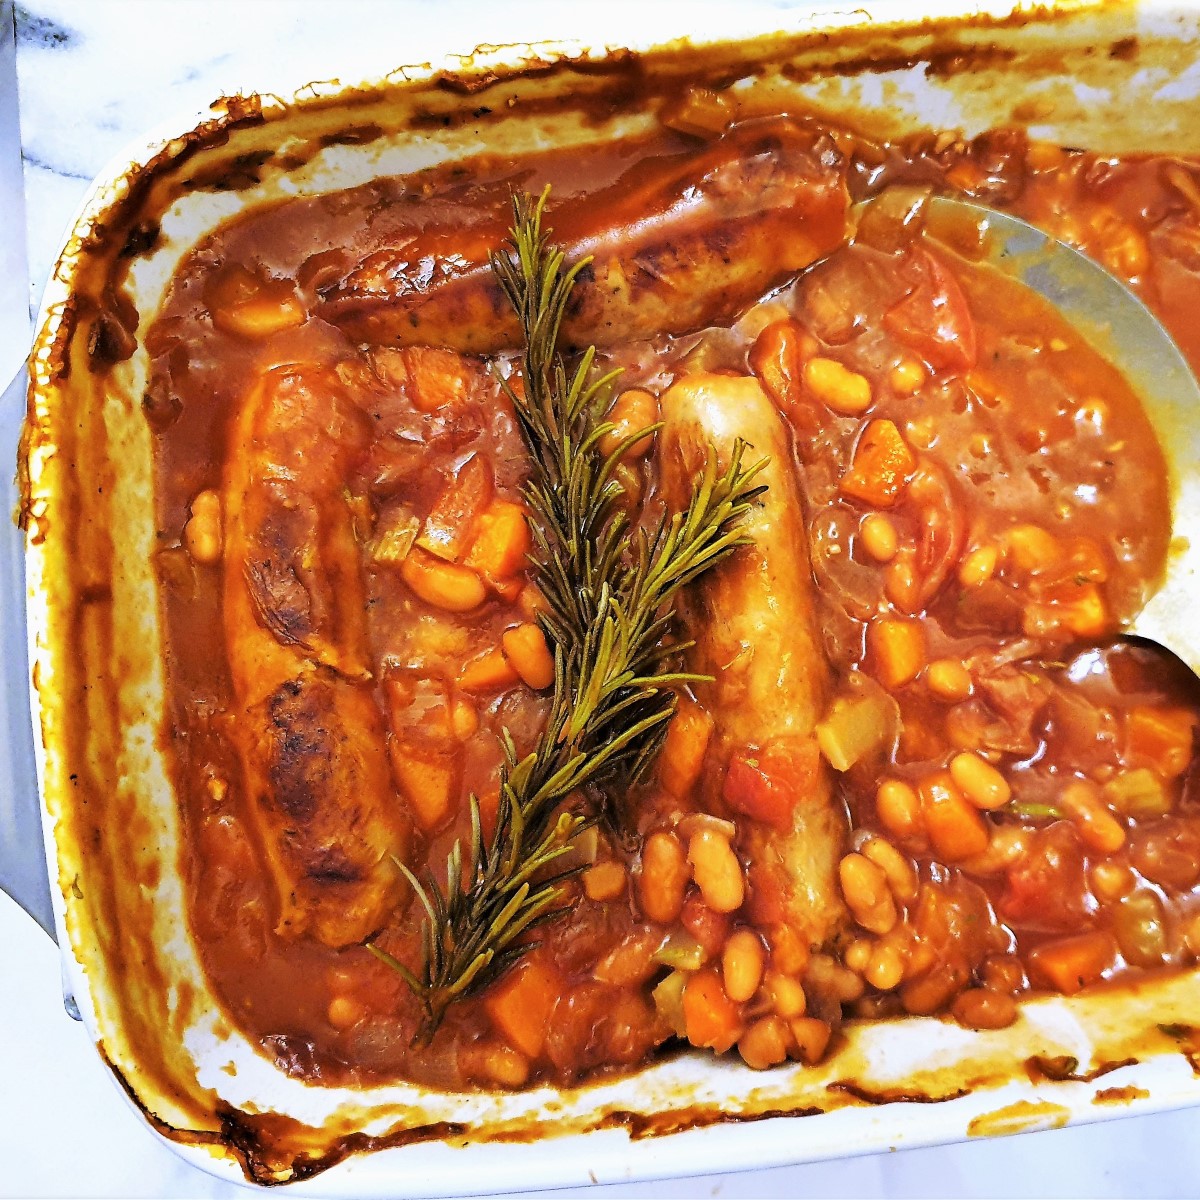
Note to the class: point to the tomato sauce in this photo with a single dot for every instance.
(985, 505)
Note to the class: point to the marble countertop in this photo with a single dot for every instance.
(96, 76)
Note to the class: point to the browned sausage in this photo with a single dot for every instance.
(677, 244)
(755, 627)
(310, 735)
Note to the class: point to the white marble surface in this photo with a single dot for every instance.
(95, 76)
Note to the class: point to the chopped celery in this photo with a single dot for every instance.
(680, 951)
(855, 727)
(1140, 794)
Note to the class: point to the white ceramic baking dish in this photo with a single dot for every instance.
(1112, 77)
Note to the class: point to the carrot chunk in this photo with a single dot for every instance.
(883, 465)
(1072, 963)
(709, 1016)
(427, 782)
(897, 649)
(955, 827)
(502, 542)
(1161, 738)
(520, 1004)
(490, 672)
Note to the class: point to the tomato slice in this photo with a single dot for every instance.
(768, 784)
(934, 318)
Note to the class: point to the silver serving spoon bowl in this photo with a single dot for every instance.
(1122, 329)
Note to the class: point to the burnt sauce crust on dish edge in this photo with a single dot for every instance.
(1000, 169)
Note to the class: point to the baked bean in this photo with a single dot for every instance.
(1110, 881)
(907, 377)
(879, 537)
(742, 964)
(886, 968)
(664, 877)
(900, 872)
(345, 1011)
(1099, 829)
(765, 1043)
(858, 954)
(812, 1037)
(899, 808)
(632, 411)
(864, 885)
(202, 533)
(785, 994)
(979, 781)
(1003, 973)
(978, 566)
(948, 679)
(837, 387)
(716, 870)
(982, 1008)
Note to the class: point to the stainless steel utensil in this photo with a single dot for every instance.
(22, 856)
(1116, 322)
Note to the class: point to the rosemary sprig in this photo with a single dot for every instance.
(609, 592)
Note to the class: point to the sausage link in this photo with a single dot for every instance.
(754, 622)
(308, 730)
(674, 247)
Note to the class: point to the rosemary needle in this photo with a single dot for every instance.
(608, 590)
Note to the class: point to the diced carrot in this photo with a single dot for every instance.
(509, 590)
(965, 175)
(683, 750)
(502, 542)
(768, 784)
(883, 465)
(709, 1016)
(427, 781)
(897, 650)
(1073, 962)
(442, 584)
(525, 648)
(450, 526)
(1085, 614)
(520, 1004)
(1162, 738)
(490, 672)
(955, 827)
(437, 378)
(1032, 548)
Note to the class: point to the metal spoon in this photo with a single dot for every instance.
(1122, 329)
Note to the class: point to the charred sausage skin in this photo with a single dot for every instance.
(675, 246)
(310, 736)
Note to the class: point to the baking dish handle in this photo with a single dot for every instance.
(22, 855)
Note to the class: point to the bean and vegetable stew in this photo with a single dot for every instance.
(706, 633)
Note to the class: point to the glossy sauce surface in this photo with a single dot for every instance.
(985, 505)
